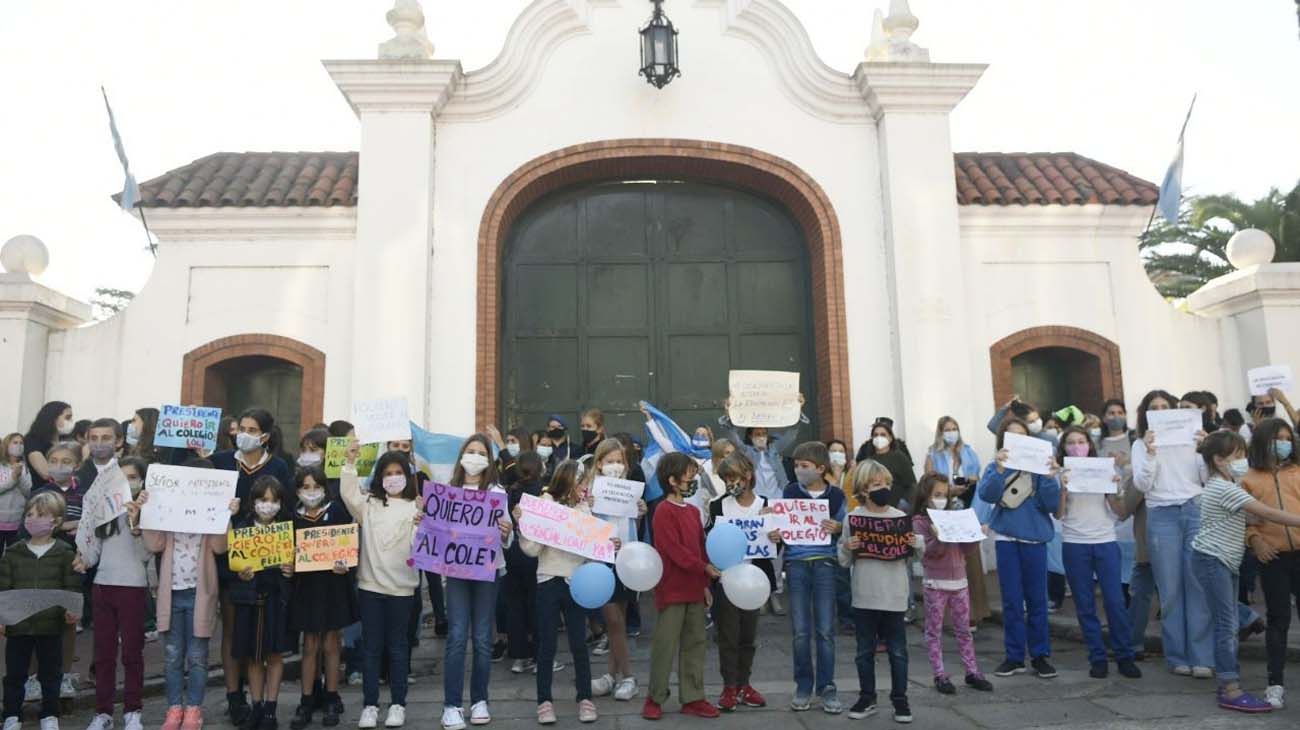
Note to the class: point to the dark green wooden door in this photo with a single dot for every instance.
(265, 382)
(620, 292)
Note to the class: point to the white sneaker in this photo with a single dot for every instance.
(132, 721)
(1275, 695)
(32, 690)
(49, 723)
(68, 686)
(150, 637)
(369, 717)
(479, 715)
(396, 716)
(1202, 672)
(556, 666)
(101, 722)
(601, 648)
(519, 666)
(453, 718)
(626, 689)
(354, 679)
(602, 685)
(13, 723)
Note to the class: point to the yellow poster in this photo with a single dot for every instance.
(261, 546)
(319, 548)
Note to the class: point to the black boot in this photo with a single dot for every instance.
(268, 721)
(333, 708)
(254, 717)
(302, 715)
(237, 708)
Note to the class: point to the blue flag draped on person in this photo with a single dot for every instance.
(130, 190)
(1171, 188)
(664, 435)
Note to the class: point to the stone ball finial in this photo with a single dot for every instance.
(1250, 247)
(409, 37)
(24, 254)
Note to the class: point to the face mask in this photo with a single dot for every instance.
(474, 464)
(135, 485)
(15, 450)
(1282, 449)
(759, 442)
(1117, 423)
(700, 443)
(1238, 468)
(951, 437)
(132, 434)
(545, 451)
(39, 526)
(879, 497)
(394, 484)
(102, 451)
(1268, 411)
(266, 510)
(1036, 425)
(556, 433)
(937, 502)
(588, 436)
(309, 458)
(807, 476)
(65, 427)
(60, 473)
(1094, 433)
(311, 498)
(613, 471)
(689, 489)
(1076, 449)
(512, 448)
(838, 458)
(247, 442)
(880, 442)
(1052, 433)
(735, 490)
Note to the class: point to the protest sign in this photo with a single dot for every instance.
(757, 544)
(1176, 427)
(107, 496)
(616, 497)
(319, 548)
(336, 451)
(459, 536)
(185, 499)
(800, 520)
(956, 525)
(381, 420)
(1026, 453)
(1270, 376)
(560, 527)
(188, 427)
(261, 546)
(18, 604)
(1090, 475)
(882, 538)
(766, 398)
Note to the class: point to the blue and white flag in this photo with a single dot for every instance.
(130, 190)
(435, 453)
(663, 434)
(1171, 188)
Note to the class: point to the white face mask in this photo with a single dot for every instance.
(545, 451)
(1036, 425)
(65, 427)
(247, 442)
(613, 471)
(1095, 433)
(15, 450)
(760, 442)
(1052, 432)
(394, 484)
(311, 497)
(132, 434)
(951, 437)
(880, 442)
(939, 502)
(473, 464)
(309, 458)
(838, 458)
(267, 510)
(512, 448)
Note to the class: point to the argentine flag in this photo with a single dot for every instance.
(1171, 189)
(662, 430)
(130, 190)
(435, 453)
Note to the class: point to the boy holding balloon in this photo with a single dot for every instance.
(683, 594)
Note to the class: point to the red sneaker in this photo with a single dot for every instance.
(700, 708)
(729, 699)
(749, 697)
(651, 710)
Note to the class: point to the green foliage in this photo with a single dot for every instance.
(108, 302)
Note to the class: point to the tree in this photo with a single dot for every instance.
(108, 302)
(1180, 257)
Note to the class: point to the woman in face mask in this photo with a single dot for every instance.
(1265, 406)
(840, 462)
(885, 449)
(593, 429)
(311, 449)
(763, 448)
(52, 422)
(508, 449)
(1025, 412)
(558, 432)
(15, 487)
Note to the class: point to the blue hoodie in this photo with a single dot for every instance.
(838, 509)
(1030, 521)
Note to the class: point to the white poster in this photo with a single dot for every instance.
(1090, 475)
(763, 398)
(381, 420)
(185, 499)
(757, 544)
(1270, 376)
(1027, 453)
(1176, 427)
(956, 525)
(800, 520)
(107, 496)
(616, 497)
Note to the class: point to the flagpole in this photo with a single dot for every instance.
(148, 235)
(1182, 130)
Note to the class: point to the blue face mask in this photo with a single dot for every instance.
(1282, 449)
(700, 443)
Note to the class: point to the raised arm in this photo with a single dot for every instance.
(1144, 464)
(350, 491)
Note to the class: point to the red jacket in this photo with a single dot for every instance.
(679, 538)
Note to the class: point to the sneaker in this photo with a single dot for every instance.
(52, 723)
(749, 697)
(1251, 629)
(587, 711)
(132, 721)
(479, 714)
(1043, 668)
(902, 712)
(831, 704)
(499, 651)
(101, 722)
(354, 679)
(651, 710)
(944, 685)
(978, 682)
(633, 633)
(369, 717)
(556, 666)
(32, 690)
(519, 666)
(727, 701)
(626, 689)
(601, 647)
(1182, 670)
(1244, 702)
(602, 685)
(800, 703)
(1128, 669)
(1202, 672)
(1098, 670)
(150, 637)
(546, 714)
(1275, 695)
(1008, 668)
(862, 708)
(302, 715)
(396, 716)
(774, 605)
(453, 718)
(13, 723)
(172, 720)
(700, 708)
(192, 720)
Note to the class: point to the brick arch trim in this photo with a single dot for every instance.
(678, 159)
(1002, 352)
(196, 362)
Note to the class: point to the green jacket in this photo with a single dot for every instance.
(20, 568)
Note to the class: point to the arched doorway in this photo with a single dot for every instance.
(618, 292)
(1055, 366)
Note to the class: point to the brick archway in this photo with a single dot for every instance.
(675, 159)
(196, 363)
(1002, 352)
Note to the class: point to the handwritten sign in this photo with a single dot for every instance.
(1089, 475)
(261, 546)
(381, 420)
(757, 544)
(1026, 453)
(459, 536)
(766, 398)
(560, 527)
(800, 520)
(319, 548)
(185, 499)
(107, 496)
(881, 538)
(956, 525)
(19, 604)
(1175, 427)
(188, 427)
(616, 497)
(1270, 376)
(336, 450)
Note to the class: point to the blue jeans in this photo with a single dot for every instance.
(471, 613)
(1141, 588)
(1184, 615)
(1022, 576)
(1220, 585)
(185, 655)
(384, 626)
(870, 626)
(810, 590)
(1082, 562)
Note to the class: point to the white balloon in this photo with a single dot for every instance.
(639, 566)
(746, 586)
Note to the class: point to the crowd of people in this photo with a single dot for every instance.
(1198, 527)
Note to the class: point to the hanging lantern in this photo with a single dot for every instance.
(659, 49)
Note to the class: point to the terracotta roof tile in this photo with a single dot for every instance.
(324, 179)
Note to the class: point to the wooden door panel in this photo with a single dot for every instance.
(618, 371)
(615, 220)
(546, 376)
(696, 299)
(547, 298)
(618, 297)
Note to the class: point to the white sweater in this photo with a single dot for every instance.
(553, 562)
(1174, 475)
(387, 531)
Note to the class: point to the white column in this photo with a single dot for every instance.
(29, 312)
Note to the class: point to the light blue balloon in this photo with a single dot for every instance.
(592, 585)
(726, 545)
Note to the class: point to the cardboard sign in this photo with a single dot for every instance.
(1270, 376)
(758, 545)
(381, 420)
(883, 538)
(319, 548)
(336, 450)
(185, 499)
(1175, 427)
(19, 604)
(459, 536)
(766, 398)
(261, 546)
(1026, 453)
(800, 520)
(616, 497)
(188, 427)
(107, 497)
(1089, 475)
(563, 528)
(956, 525)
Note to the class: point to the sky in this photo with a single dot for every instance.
(1110, 79)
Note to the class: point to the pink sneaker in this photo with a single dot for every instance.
(193, 719)
(173, 719)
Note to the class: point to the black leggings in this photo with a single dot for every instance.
(1281, 580)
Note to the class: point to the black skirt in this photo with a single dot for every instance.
(261, 629)
(323, 601)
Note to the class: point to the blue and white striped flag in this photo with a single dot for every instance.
(662, 429)
(130, 190)
(1171, 188)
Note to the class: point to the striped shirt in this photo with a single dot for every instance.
(1223, 524)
